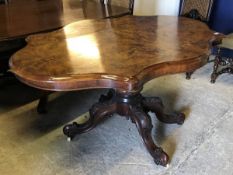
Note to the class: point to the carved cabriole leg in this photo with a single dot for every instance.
(214, 74)
(144, 126)
(98, 113)
(134, 107)
(154, 104)
(130, 106)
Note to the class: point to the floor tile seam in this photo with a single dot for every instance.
(209, 133)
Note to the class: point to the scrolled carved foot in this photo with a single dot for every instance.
(98, 112)
(144, 126)
(161, 157)
(70, 130)
(180, 118)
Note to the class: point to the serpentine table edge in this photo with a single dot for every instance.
(143, 37)
(70, 82)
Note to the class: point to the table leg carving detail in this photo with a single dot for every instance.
(144, 126)
(98, 112)
(134, 107)
(214, 75)
(155, 104)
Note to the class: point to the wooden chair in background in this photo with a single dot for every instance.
(196, 9)
(223, 62)
(108, 3)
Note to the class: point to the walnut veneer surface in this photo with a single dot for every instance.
(20, 18)
(121, 53)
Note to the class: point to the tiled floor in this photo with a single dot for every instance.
(34, 144)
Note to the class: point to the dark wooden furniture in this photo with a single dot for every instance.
(121, 54)
(130, 6)
(20, 18)
(223, 62)
(196, 9)
(3, 1)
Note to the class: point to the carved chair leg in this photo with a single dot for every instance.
(42, 105)
(188, 75)
(98, 112)
(144, 126)
(154, 104)
(214, 74)
(226, 70)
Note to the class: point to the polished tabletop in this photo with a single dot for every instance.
(19, 18)
(121, 53)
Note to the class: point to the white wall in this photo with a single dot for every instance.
(156, 7)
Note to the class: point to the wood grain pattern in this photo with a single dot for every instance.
(20, 18)
(121, 53)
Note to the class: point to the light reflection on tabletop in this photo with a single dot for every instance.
(84, 46)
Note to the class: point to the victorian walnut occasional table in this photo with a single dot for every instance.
(121, 54)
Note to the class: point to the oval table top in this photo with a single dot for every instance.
(121, 53)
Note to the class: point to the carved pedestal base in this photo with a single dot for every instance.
(134, 107)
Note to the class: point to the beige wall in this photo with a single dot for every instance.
(156, 7)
